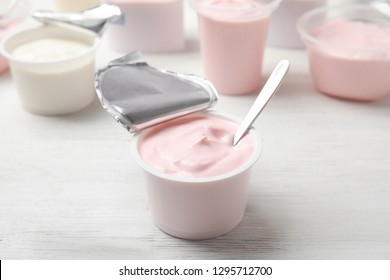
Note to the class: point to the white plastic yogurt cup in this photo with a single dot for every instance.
(197, 208)
(282, 29)
(54, 86)
(152, 26)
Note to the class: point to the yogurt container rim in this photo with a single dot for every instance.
(137, 138)
(307, 37)
(10, 57)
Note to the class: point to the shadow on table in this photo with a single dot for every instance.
(299, 86)
(191, 45)
(92, 113)
(254, 238)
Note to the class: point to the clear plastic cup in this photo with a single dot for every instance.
(233, 36)
(352, 73)
(55, 87)
(197, 208)
(154, 26)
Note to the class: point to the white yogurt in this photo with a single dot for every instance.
(49, 50)
(52, 68)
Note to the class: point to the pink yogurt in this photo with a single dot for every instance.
(232, 38)
(196, 147)
(197, 181)
(349, 59)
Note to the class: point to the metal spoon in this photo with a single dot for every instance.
(270, 87)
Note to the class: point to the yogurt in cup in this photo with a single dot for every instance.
(197, 180)
(52, 68)
(152, 26)
(232, 39)
(349, 51)
(282, 30)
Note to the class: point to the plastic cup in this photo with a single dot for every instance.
(233, 36)
(153, 26)
(56, 87)
(347, 72)
(282, 29)
(197, 208)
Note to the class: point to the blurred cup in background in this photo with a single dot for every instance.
(153, 26)
(52, 68)
(232, 40)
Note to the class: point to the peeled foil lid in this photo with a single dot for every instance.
(140, 96)
(94, 19)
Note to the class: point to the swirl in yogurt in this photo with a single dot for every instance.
(196, 147)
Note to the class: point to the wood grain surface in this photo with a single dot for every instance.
(69, 188)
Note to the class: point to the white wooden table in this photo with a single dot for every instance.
(69, 188)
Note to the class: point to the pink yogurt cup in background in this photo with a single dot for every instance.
(6, 30)
(349, 51)
(233, 36)
(197, 207)
(12, 14)
(3, 64)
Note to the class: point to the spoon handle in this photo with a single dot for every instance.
(270, 87)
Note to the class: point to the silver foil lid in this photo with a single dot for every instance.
(94, 19)
(139, 96)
